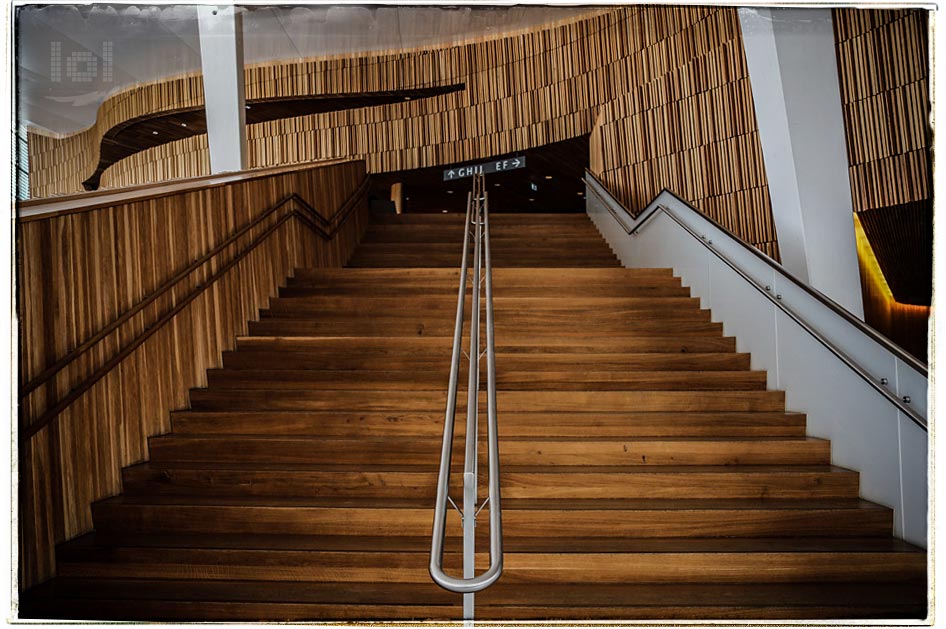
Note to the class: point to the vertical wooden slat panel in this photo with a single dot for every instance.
(687, 123)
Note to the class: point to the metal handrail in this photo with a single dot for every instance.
(477, 216)
(851, 363)
(915, 364)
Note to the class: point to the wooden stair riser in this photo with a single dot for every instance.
(509, 402)
(626, 523)
(315, 567)
(566, 452)
(411, 345)
(506, 380)
(299, 307)
(246, 482)
(539, 276)
(374, 361)
(569, 596)
(383, 289)
(545, 425)
(533, 328)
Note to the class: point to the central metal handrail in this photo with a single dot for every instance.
(476, 226)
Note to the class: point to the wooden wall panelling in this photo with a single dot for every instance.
(371, 72)
(687, 122)
(60, 165)
(78, 272)
(883, 68)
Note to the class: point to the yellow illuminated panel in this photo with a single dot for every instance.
(869, 264)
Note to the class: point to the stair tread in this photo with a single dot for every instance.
(512, 545)
(531, 440)
(607, 504)
(552, 595)
(250, 467)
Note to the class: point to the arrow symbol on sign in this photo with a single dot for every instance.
(450, 174)
(516, 161)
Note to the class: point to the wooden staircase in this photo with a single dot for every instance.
(647, 471)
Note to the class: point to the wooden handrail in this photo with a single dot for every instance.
(325, 228)
(48, 207)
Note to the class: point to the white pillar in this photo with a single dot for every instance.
(794, 75)
(221, 60)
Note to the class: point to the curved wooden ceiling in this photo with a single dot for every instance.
(149, 131)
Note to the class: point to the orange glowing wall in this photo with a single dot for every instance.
(905, 325)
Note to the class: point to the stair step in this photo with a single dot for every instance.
(379, 288)
(508, 282)
(496, 219)
(453, 543)
(509, 402)
(410, 345)
(502, 306)
(563, 237)
(364, 481)
(450, 258)
(534, 328)
(542, 276)
(144, 599)
(523, 424)
(562, 452)
(618, 518)
(288, 356)
(897, 564)
(434, 378)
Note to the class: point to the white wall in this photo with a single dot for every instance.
(797, 98)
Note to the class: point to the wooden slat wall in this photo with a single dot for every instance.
(185, 158)
(669, 86)
(521, 92)
(61, 164)
(78, 272)
(686, 122)
(883, 67)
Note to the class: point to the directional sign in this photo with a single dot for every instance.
(485, 168)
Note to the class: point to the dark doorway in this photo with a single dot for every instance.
(550, 182)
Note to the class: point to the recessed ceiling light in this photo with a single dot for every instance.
(449, 191)
(154, 133)
(496, 184)
(183, 124)
(444, 211)
(247, 106)
(407, 98)
(407, 198)
(581, 194)
(531, 199)
(548, 176)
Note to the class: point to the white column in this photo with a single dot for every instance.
(221, 59)
(794, 75)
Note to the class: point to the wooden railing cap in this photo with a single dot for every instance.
(35, 209)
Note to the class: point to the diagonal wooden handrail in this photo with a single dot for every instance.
(325, 228)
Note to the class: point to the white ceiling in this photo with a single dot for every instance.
(155, 42)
